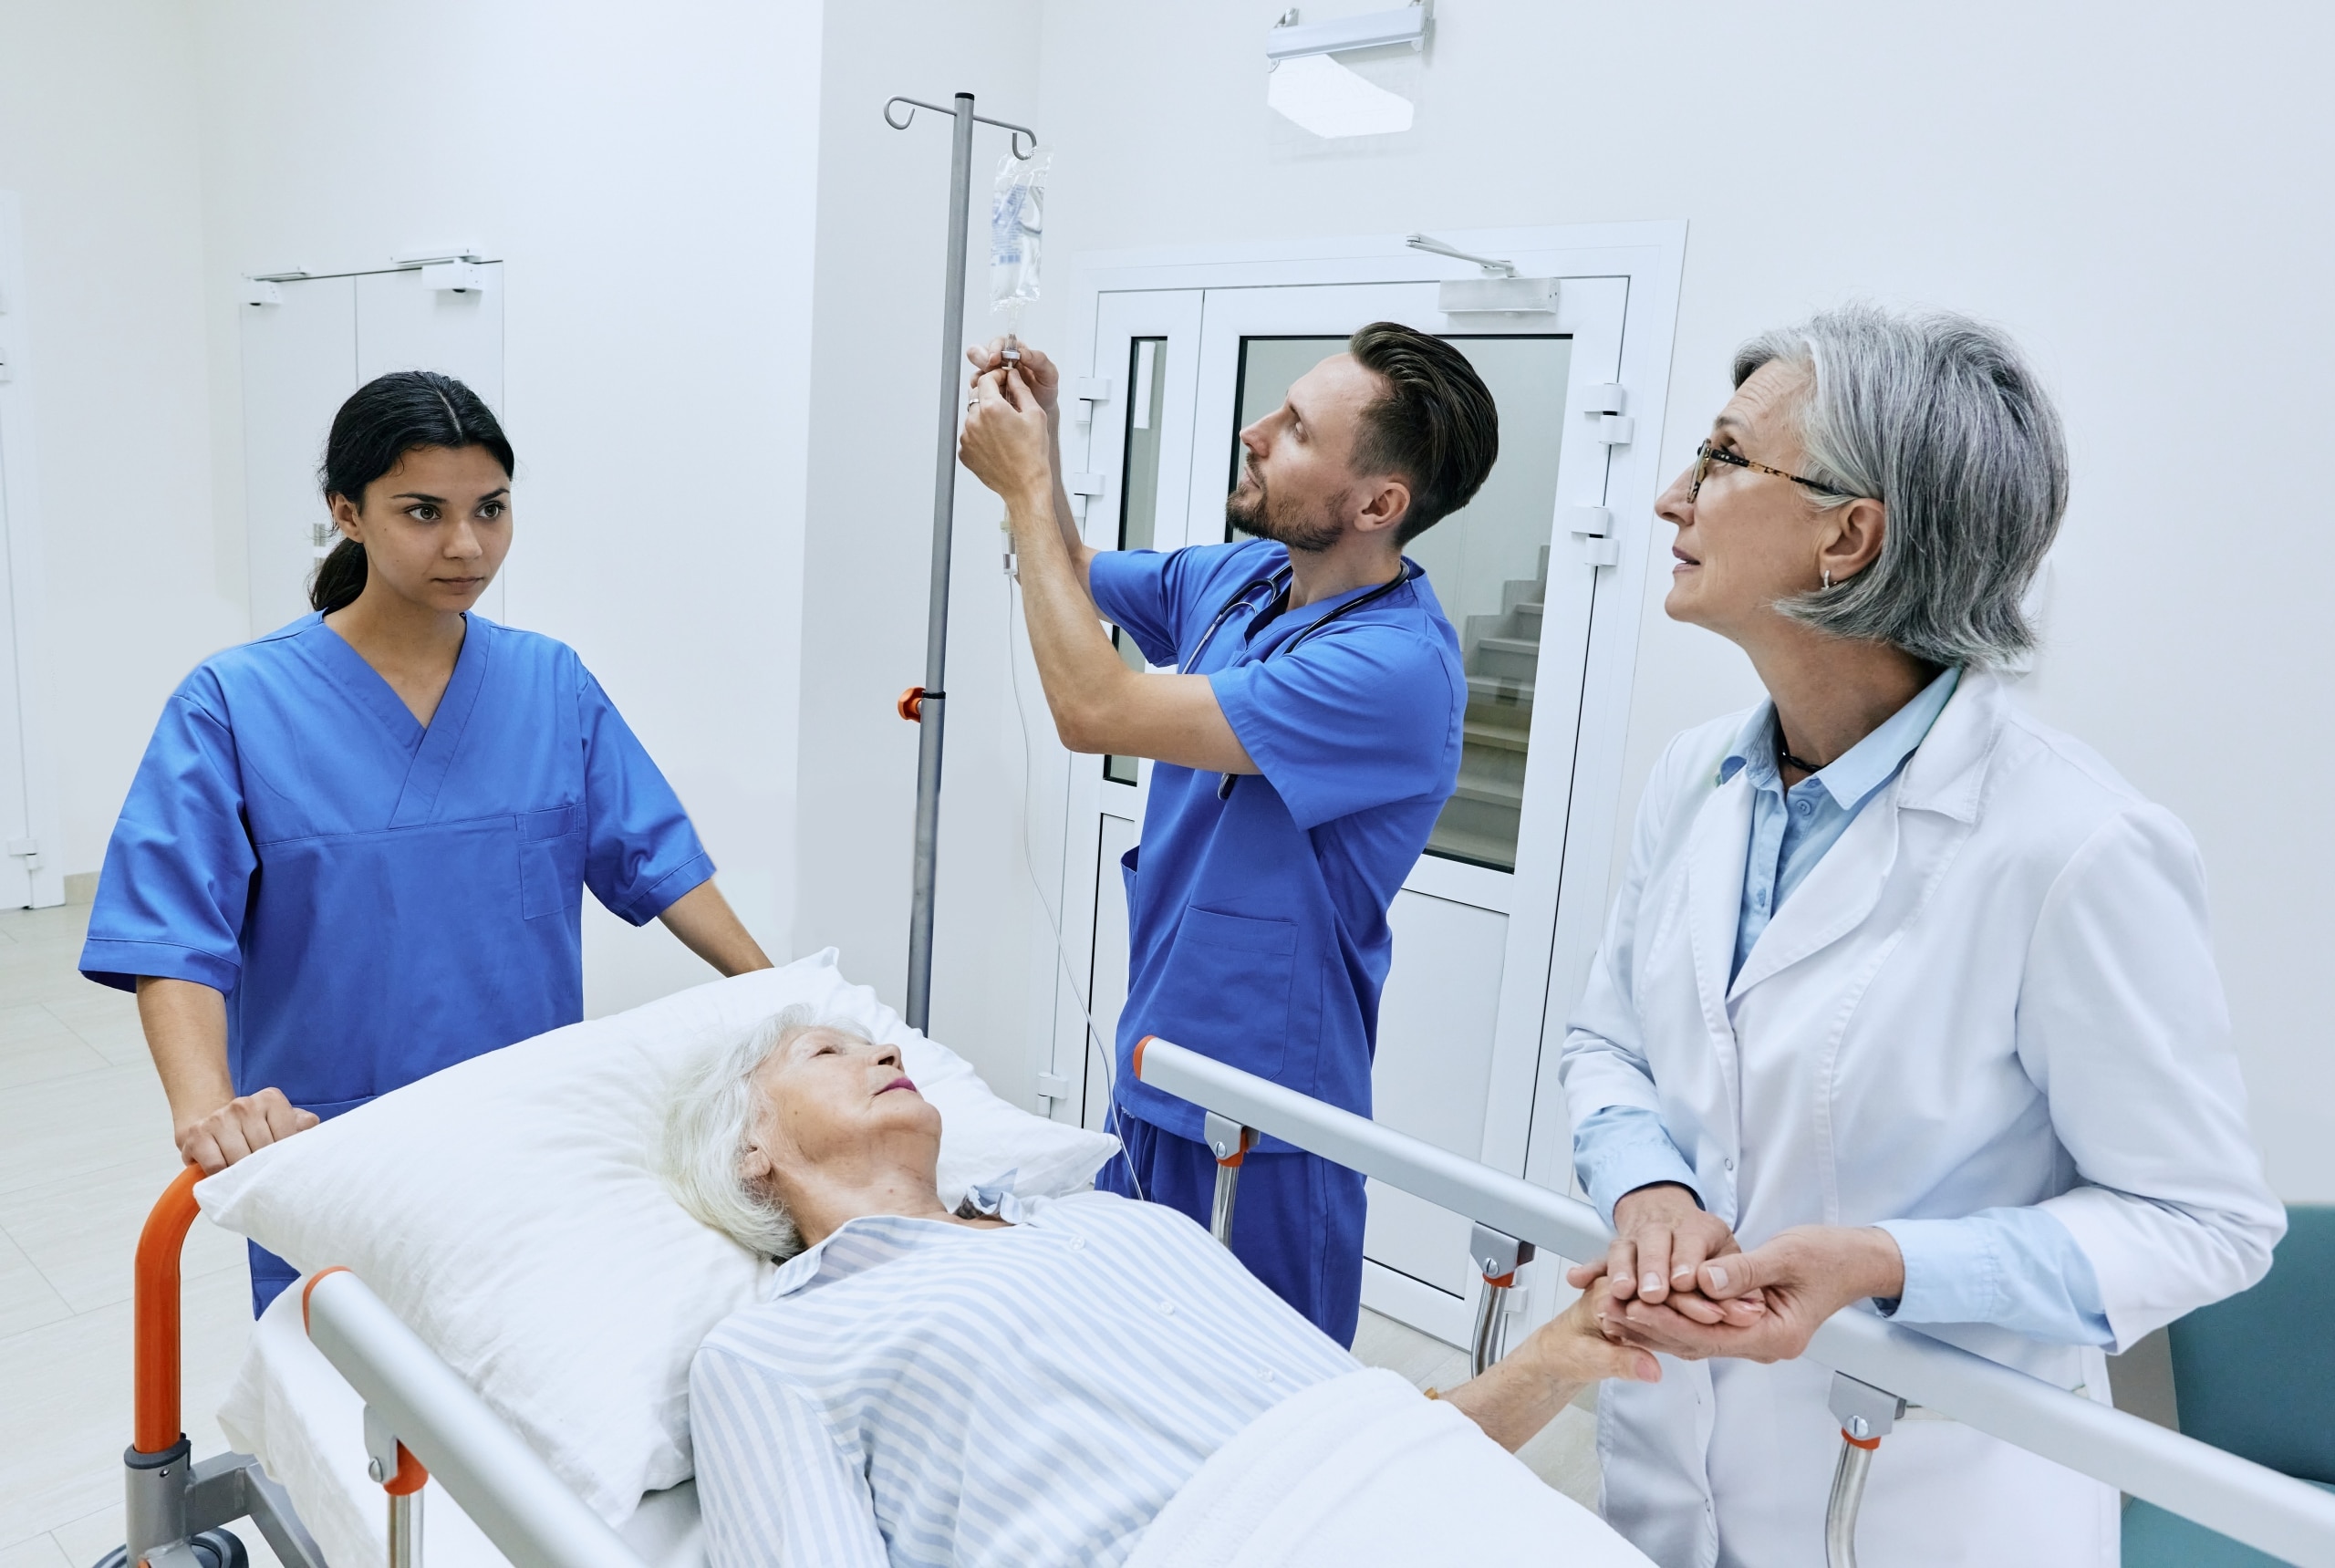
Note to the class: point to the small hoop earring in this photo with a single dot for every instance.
(1828, 579)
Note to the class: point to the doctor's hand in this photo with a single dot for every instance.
(1006, 442)
(1661, 1238)
(239, 1128)
(1039, 373)
(1801, 1276)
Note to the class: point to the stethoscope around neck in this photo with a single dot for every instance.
(1276, 584)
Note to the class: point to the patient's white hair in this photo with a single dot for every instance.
(706, 1128)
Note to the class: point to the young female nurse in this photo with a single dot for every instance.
(356, 850)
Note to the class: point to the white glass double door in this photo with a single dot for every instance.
(1462, 1021)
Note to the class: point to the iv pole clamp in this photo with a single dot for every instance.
(928, 704)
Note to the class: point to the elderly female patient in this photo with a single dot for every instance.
(1013, 1381)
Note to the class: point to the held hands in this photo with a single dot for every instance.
(1661, 1238)
(239, 1128)
(1797, 1280)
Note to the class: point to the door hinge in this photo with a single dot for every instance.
(1052, 1086)
(1593, 527)
(1086, 391)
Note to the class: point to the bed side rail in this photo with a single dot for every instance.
(505, 1486)
(2249, 1502)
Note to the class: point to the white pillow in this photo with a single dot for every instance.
(508, 1209)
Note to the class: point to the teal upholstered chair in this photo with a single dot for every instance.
(2255, 1375)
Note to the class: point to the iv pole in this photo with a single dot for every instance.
(925, 705)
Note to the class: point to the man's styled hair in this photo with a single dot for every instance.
(1435, 426)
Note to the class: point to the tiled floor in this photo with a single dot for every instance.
(85, 1150)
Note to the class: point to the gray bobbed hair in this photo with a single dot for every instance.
(706, 1125)
(1939, 418)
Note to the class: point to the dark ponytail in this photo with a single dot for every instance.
(382, 420)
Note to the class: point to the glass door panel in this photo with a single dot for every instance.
(1487, 562)
(1147, 386)
(1461, 1021)
(1129, 442)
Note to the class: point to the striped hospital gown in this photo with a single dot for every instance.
(916, 1392)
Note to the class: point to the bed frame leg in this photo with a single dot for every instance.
(393, 1464)
(1866, 1415)
(1497, 1255)
(1230, 1143)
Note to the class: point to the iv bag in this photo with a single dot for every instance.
(1016, 233)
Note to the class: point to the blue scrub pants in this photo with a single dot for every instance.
(1296, 1220)
(270, 1274)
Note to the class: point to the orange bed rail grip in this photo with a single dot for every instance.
(410, 1477)
(310, 1288)
(156, 1356)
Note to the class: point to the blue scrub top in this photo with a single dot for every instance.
(378, 900)
(1257, 924)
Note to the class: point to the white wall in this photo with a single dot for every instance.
(2131, 198)
(98, 132)
(648, 177)
(2135, 199)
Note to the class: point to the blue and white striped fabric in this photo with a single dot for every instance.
(918, 1392)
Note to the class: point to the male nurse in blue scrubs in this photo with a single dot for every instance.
(1304, 746)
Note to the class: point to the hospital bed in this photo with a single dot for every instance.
(405, 1416)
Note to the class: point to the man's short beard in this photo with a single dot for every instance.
(1261, 517)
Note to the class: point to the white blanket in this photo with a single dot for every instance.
(1362, 1471)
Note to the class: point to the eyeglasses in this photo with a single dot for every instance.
(1707, 454)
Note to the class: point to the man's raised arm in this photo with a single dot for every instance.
(1098, 704)
(1044, 379)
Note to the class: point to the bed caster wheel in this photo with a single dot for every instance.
(212, 1549)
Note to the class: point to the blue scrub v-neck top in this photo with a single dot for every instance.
(377, 900)
(1257, 921)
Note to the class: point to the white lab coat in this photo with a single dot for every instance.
(1996, 988)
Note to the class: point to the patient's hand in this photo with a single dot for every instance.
(1523, 1393)
(241, 1127)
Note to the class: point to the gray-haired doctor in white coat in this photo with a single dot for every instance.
(1906, 993)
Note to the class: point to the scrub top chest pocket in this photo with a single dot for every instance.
(1230, 999)
(551, 860)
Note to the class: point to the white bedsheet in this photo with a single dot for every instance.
(1357, 1472)
(290, 1407)
(1362, 1471)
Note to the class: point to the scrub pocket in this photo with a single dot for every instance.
(551, 860)
(1227, 990)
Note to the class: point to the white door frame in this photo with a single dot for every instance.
(1644, 260)
(32, 878)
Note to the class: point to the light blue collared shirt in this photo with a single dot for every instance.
(2018, 1268)
(1791, 829)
